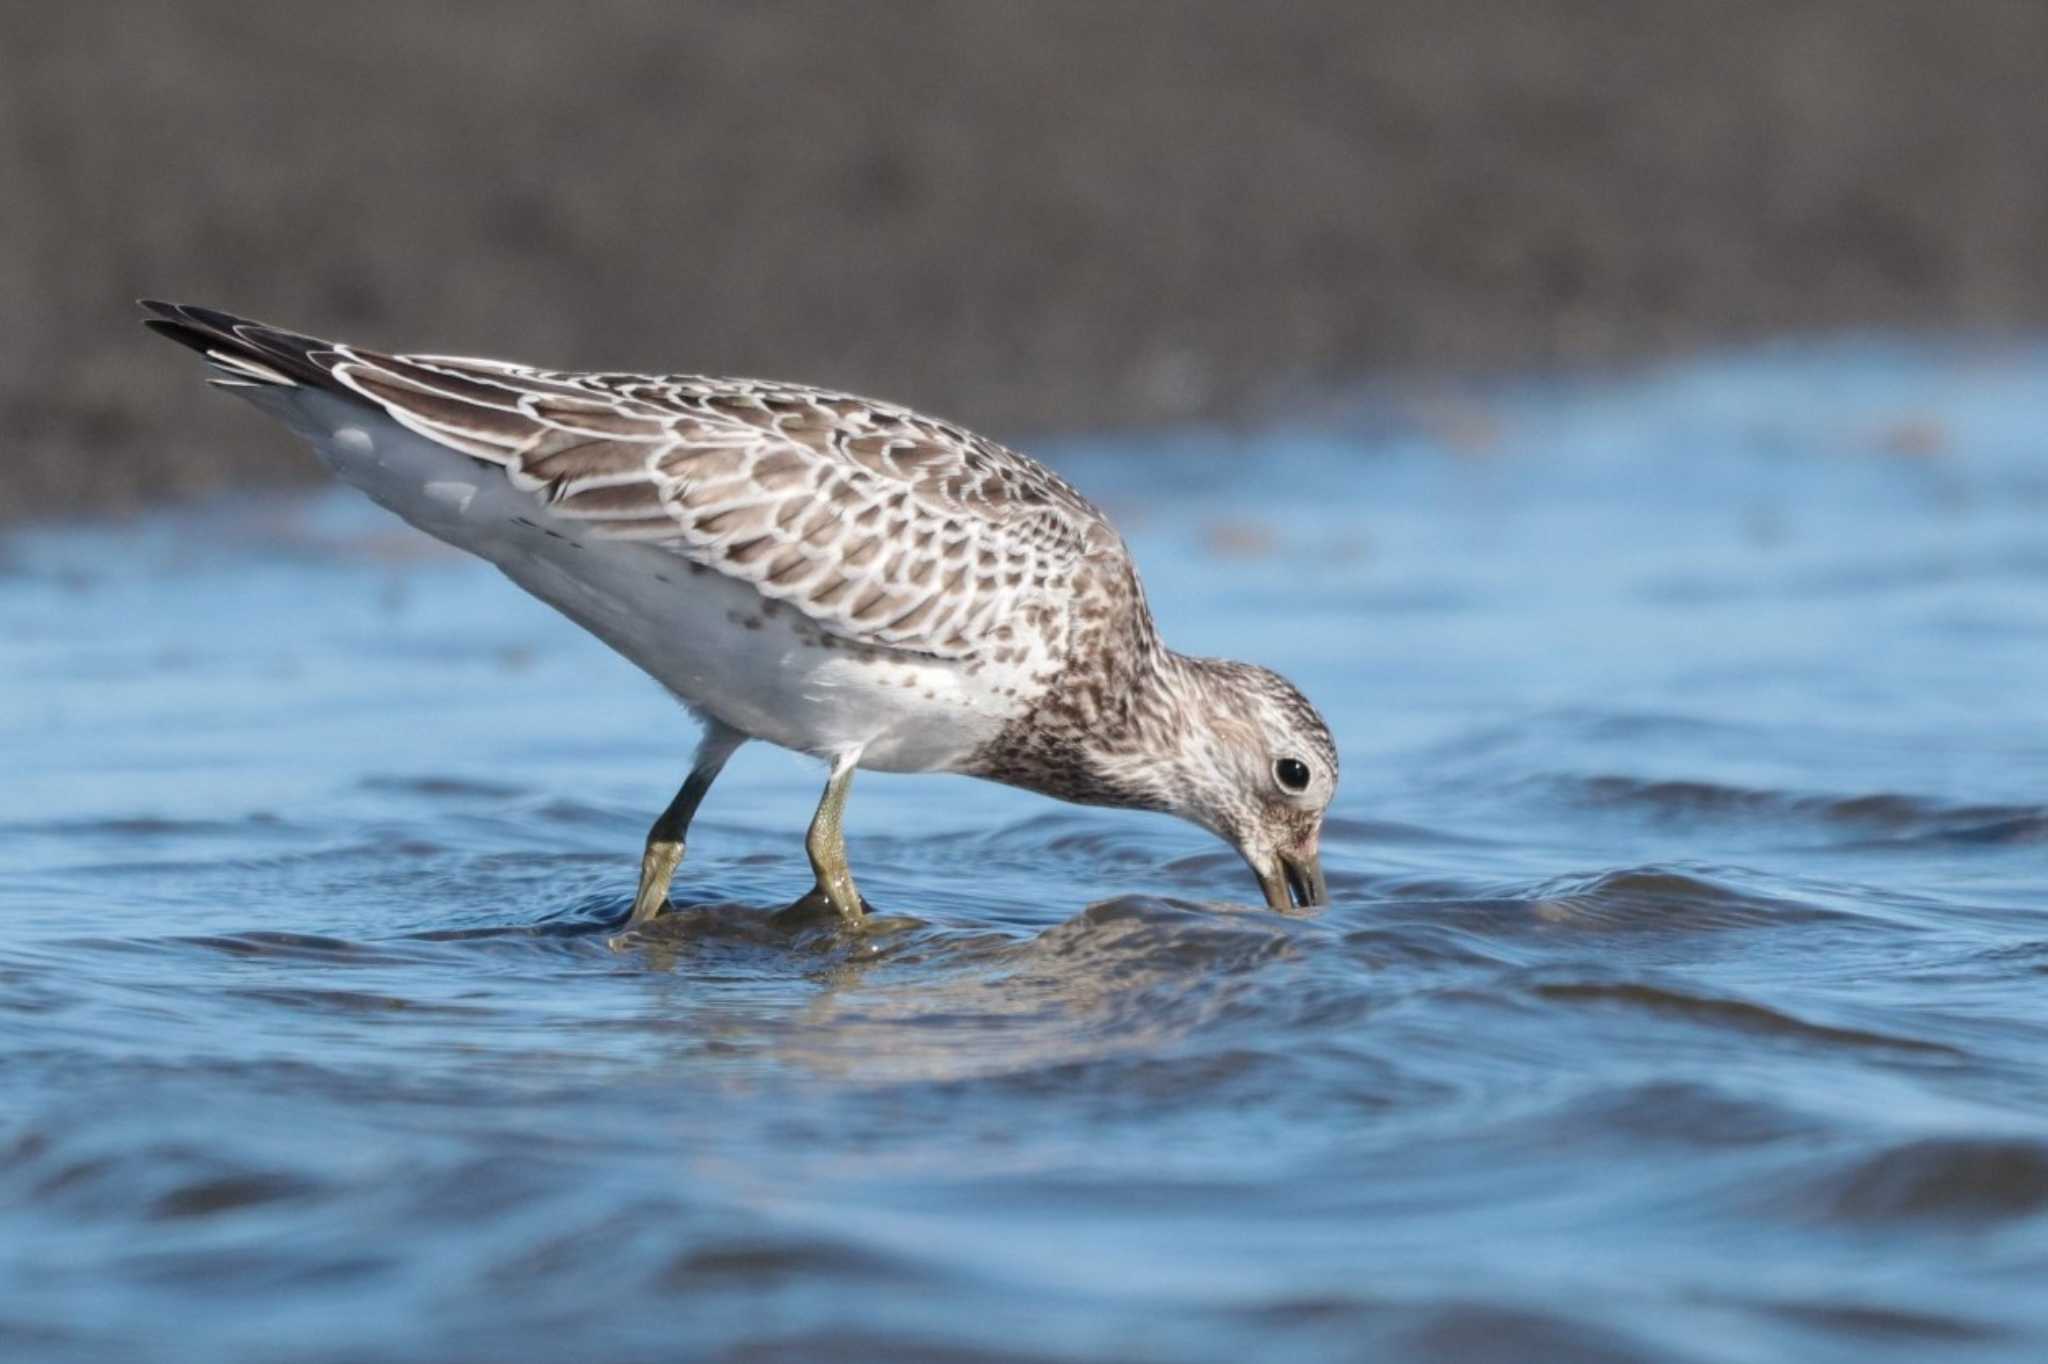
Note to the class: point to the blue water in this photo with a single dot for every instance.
(1682, 997)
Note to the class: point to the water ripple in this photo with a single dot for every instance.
(1680, 997)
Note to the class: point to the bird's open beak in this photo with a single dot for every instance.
(1293, 881)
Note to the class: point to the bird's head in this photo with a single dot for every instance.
(1258, 769)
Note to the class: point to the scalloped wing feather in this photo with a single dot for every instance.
(882, 526)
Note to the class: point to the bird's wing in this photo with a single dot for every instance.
(881, 525)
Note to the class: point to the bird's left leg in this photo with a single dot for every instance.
(664, 849)
(826, 844)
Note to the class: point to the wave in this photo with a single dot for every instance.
(1884, 818)
(1966, 1181)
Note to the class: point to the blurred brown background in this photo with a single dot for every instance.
(1022, 215)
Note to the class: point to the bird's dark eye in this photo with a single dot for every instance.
(1292, 773)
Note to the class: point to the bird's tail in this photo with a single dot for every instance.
(245, 354)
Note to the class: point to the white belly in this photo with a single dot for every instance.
(757, 666)
(720, 646)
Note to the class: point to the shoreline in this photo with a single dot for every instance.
(1025, 219)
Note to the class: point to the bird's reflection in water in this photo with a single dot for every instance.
(910, 1000)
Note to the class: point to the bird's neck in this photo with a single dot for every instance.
(1111, 729)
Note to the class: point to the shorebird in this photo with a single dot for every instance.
(842, 577)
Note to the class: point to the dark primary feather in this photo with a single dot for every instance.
(207, 330)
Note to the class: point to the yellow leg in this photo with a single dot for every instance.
(826, 843)
(664, 851)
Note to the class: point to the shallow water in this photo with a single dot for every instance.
(1682, 996)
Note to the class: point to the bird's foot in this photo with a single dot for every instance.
(657, 866)
(848, 908)
(626, 937)
(645, 913)
(630, 930)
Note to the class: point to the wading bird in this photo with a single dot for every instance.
(844, 578)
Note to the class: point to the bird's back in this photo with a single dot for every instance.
(820, 570)
(884, 526)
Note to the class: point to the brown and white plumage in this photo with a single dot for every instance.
(881, 525)
(847, 577)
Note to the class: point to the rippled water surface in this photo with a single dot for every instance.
(1685, 994)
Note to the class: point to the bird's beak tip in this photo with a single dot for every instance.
(1294, 881)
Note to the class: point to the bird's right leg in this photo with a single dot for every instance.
(664, 851)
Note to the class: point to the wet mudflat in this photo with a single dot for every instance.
(1682, 997)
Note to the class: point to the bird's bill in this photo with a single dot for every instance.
(1293, 881)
